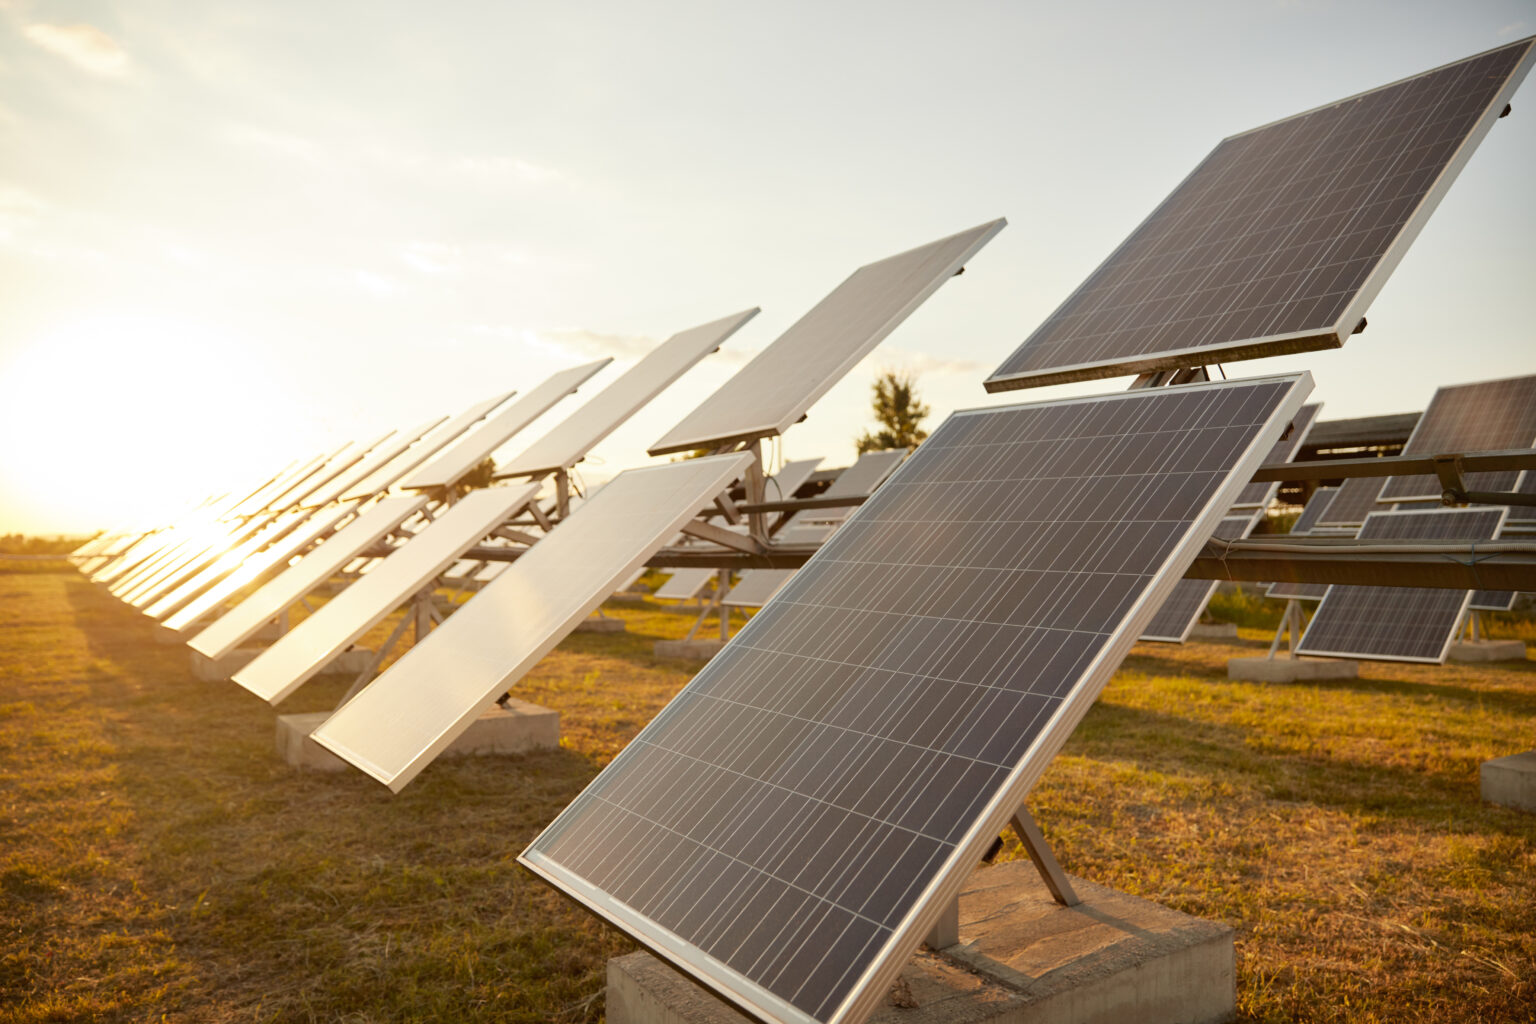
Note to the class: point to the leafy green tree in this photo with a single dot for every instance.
(898, 412)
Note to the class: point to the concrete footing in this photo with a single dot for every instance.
(1213, 631)
(207, 670)
(513, 728)
(1021, 957)
(600, 626)
(1291, 670)
(1487, 650)
(691, 650)
(1510, 781)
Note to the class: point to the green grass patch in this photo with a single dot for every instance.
(157, 861)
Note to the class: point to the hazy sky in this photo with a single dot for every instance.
(236, 233)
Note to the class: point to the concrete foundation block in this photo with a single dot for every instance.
(1487, 650)
(205, 669)
(1510, 781)
(1213, 631)
(688, 650)
(1021, 958)
(514, 728)
(600, 626)
(1291, 670)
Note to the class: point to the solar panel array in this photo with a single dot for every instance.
(788, 826)
(305, 650)
(1258, 494)
(1280, 238)
(1491, 415)
(775, 389)
(396, 469)
(411, 713)
(241, 622)
(1181, 610)
(1399, 623)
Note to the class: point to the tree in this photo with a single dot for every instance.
(898, 412)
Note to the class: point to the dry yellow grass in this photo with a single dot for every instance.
(156, 859)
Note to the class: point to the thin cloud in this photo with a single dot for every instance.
(85, 46)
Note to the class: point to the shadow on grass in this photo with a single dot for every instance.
(1176, 745)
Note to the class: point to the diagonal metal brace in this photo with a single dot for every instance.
(1044, 860)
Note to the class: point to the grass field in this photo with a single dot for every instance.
(158, 862)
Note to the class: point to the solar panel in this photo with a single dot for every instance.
(1355, 500)
(402, 720)
(396, 469)
(306, 649)
(788, 827)
(1313, 510)
(757, 586)
(452, 464)
(569, 442)
(1279, 240)
(775, 389)
(1179, 613)
(1399, 623)
(1492, 600)
(1492, 415)
(1303, 526)
(257, 568)
(203, 573)
(1258, 494)
(685, 584)
(869, 471)
(269, 601)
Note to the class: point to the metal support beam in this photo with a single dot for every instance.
(1468, 565)
(562, 494)
(1395, 465)
(725, 538)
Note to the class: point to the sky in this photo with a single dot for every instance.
(235, 234)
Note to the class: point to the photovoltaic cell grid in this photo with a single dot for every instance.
(1259, 494)
(1492, 415)
(1188, 599)
(786, 826)
(1310, 513)
(1355, 500)
(1399, 623)
(1278, 241)
(776, 388)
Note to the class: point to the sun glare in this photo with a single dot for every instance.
(126, 420)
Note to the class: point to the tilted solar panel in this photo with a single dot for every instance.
(1279, 240)
(1399, 623)
(481, 442)
(1181, 610)
(788, 827)
(396, 469)
(685, 584)
(1355, 500)
(1259, 494)
(411, 713)
(1491, 415)
(568, 442)
(1304, 525)
(776, 388)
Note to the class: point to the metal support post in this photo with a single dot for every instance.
(562, 494)
(946, 930)
(723, 584)
(756, 488)
(1044, 860)
(1474, 618)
